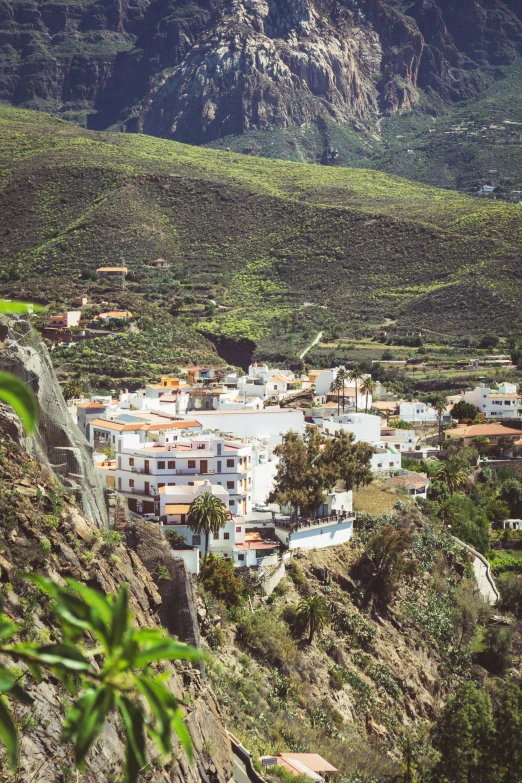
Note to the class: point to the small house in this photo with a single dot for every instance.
(159, 263)
(65, 320)
(81, 301)
(112, 272)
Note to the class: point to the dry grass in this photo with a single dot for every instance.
(376, 500)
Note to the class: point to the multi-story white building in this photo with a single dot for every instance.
(501, 403)
(142, 469)
(417, 413)
(364, 426)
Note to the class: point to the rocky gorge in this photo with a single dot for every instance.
(200, 71)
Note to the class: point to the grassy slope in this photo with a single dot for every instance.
(262, 236)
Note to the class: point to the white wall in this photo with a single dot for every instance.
(364, 426)
(417, 412)
(263, 475)
(190, 557)
(324, 381)
(318, 537)
(385, 463)
(269, 424)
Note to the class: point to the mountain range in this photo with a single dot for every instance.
(202, 70)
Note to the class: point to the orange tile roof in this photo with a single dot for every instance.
(93, 405)
(506, 396)
(407, 481)
(477, 430)
(313, 761)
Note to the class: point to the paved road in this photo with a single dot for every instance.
(240, 775)
(314, 342)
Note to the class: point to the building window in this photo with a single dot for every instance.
(230, 485)
(183, 518)
(171, 464)
(241, 557)
(161, 465)
(191, 484)
(172, 483)
(192, 463)
(131, 462)
(200, 446)
(230, 463)
(131, 483)
(238, 530)
(216, 536)
(231, 502)
(160, 485)
(219, 466)
(196, 540)
(226, 536)
(219, 449)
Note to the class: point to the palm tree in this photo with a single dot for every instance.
(452, 474)
(312, 615)
(336, 386)
(207, 514)
(342, 376)
(355, 375)
(72, 390)
(368, 387)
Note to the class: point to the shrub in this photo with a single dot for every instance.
(44, 548)
(111, 539)
(268, 638)
(295, 573)
(222, 583)
(511, 594)
(336, 681)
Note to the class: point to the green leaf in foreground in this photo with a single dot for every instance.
(20, 398)
(9, 736)
(12, 306)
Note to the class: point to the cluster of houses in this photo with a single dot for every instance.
(73, 325)
(215, 431)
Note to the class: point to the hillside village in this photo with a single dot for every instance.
(216, 432)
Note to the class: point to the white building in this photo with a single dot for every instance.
(417, 413)
(268, 425)
(386, 460)
(142, 469)
(333, 529)
(401, 440)
(364, 426)
(501, 403)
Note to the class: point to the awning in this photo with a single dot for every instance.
(177, 508)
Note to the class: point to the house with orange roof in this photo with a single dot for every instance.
(492, 431)
(312, 765)
(412, 484)
(87, 412)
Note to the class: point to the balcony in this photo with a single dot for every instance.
(133, 491)
(142, 471)
(193, 472)
(303, 523)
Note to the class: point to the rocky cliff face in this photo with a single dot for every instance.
(34, 508)
(58, 443)
(196, 72)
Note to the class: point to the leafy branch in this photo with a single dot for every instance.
(114, 661)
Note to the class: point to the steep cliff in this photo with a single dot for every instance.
(198, 71)
(58, 443)
(43, 529)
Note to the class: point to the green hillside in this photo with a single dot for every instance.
(282, 249)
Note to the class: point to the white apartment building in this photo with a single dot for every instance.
(402, 440)
(143, 469)
(386, 460)
(501, 403)
(268, 425)
(417, 413)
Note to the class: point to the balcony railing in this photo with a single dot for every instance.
(141, 471)
(303, 523)
(194, 472)
(133, 491)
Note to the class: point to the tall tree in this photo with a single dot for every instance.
(355, 375)
(368, 387)
(347, 461)
(464, 411)
(464, 735)
(342, 376)
(312, 615)
(300, 479)
(336, 386)
(207, 514)
(452, 474)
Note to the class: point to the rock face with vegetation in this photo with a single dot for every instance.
(58, 444)
(199, 71)
(43, 529)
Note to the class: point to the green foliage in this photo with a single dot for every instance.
(464, 411)
(111, 539)
(312, 615)
(207, 515)
(267, 637)
(175, 539)
(389, 554)
(115, 674)
(220, 580)
(451, 473)
(510, 587)
(398, 424)
(162, 572)
(463, 735)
